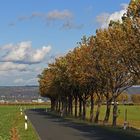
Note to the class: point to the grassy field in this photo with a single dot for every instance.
(12, 124)
(133, 115)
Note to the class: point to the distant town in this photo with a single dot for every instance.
(30, 94)
(21, 94)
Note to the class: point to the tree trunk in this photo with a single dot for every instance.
(52, 104)
(114, 122)
(80, 107)
(70, 105)
(59, 106)
(63, 111)
(98, 111)
(84, 108)
(66, 106)
(76, 100)
(56, 105)
(91, 108)
(108, 108)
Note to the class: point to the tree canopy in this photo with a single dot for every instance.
(101, 66)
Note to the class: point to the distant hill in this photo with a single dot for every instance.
(12, 93)
(133, 90)
(19, 92)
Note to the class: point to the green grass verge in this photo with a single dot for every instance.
(133, 115)
(10, 117)
(118, 130)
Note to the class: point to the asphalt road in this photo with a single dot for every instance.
(50, 127)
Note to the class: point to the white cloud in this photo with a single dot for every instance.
(59, 15)
(24, 53)
(6, 47)
(38, 69)
(8, 66)
(39, 54)
(105, 18)
(18, 52)
(52, 15)
(32, 81)
(17, 81)
(3, 73)
(16, 60)
(65, 16)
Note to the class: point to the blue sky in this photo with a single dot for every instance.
(32, 32)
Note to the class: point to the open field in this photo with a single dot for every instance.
(133, 115)
(12, 123)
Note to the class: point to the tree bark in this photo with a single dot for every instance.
(108, 108)
(91, 108)
(80, 107)
(76, 102)
(84, 108)
(59, 106)
(114, 122)
(98, 111)
(52, 104)
(70, 105)
(66, 106)
(56, 105)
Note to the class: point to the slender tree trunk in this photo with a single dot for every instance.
(56, 105)
(76, 102)
(84, 108)
(59, 106)
(107, 114)
(91, 108)
(70, 105)
(63, 107)
(98, 111)
(114, 122)
(66, 106)
(80, 107)
(52, 104)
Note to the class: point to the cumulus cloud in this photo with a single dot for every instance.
(6, 47)
(18, 52)
(104, 19)
(40, 54)
(8, 66)
(24, 53)
(16, 63)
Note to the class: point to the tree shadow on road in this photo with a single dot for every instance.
(90, 132)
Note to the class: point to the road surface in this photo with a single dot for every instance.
(50, 127)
